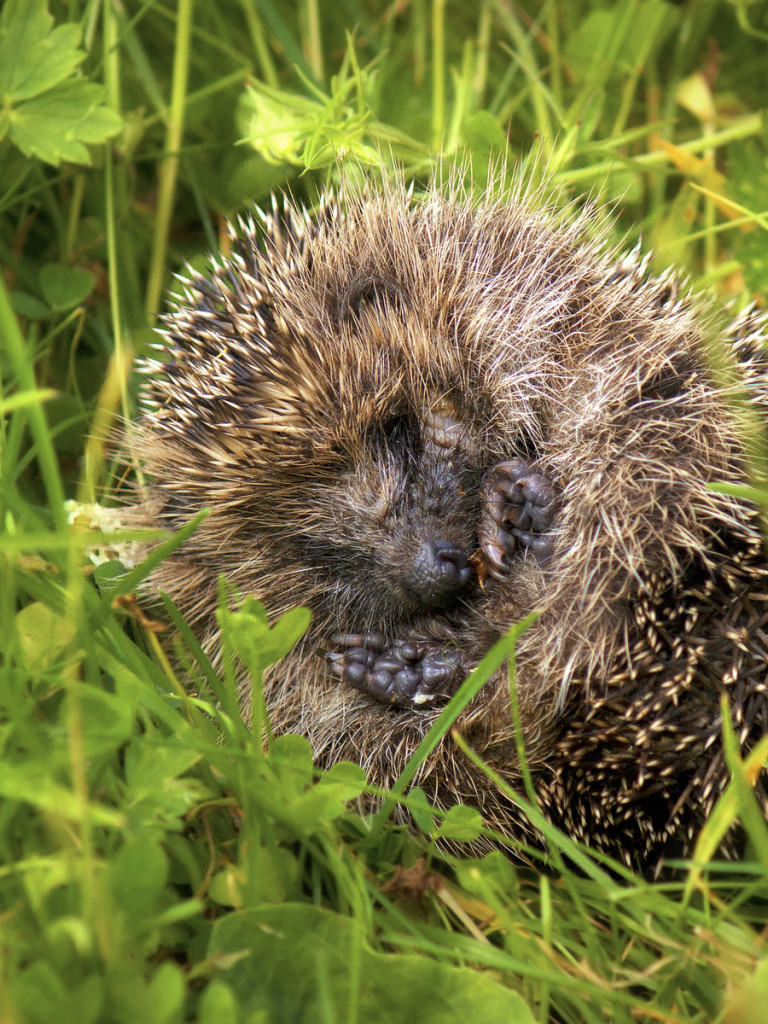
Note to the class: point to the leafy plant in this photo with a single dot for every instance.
(48, 111)
(162, 856)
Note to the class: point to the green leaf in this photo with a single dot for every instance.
(138, 873)
(109, 723)
(603, 34)
(41, 995)
(748, 175)
(218, 1006)
(494, 871)
(159, 1000)
(44, 635)
(462, 824)
(57, 125)
(255, 643)
(292, 756)
(421, 810)
(105, 574)
(27, 305)
(32, 57)
(591, 40)
(349, 777)
(166, 994)
(24, 399)
(150, 767)
(30, 782)
(308, 964)
(64, 287)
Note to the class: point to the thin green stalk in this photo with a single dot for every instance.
(546, 938)
(603, 60)
(630, 87)
(112, 83)
(523, 54)
(111, 57)
(22, 365)
(438, 72)
(169, 167)
(462, 100)
(260, 45)
(481, 64)
(555, 64)
(743, 128)
(710, 212)
(440, 728)
(419, 21)
(314, 46)
(75, 206)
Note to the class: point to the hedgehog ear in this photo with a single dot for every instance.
(372, 290)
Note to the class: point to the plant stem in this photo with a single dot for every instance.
(314, 47)
(743, 128)
(259, 40)
(22, 364)
(438, 72)
(168, 169)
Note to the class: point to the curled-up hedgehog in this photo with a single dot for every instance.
(427, 417)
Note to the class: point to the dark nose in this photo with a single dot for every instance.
(438, 573)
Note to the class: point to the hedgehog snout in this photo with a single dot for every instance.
(438, 573)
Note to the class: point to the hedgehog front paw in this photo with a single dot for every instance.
(519, 506)
(402, 673)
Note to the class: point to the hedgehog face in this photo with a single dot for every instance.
(391, 529)
(336, 402)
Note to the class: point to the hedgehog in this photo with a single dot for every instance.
(427, 416)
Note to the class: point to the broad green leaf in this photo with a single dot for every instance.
(137, 875)
(748, 175)
(461, 823)
(150, 767)
(347, 775)
(421, 810)
(44, 635)
(255, 643)
(57, 125)
(274, 871)
(494, 870)
(604, 33)
(309, 964)
(108, 722)
(164, 997)
(64, 287)
(292, 756)
(41, 995)
(23, 303)
(32, 57)
(218, 1005)
(483, 133)
(585, 47)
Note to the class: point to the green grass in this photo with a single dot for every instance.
(158, 861)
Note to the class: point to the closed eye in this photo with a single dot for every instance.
(401, 432)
